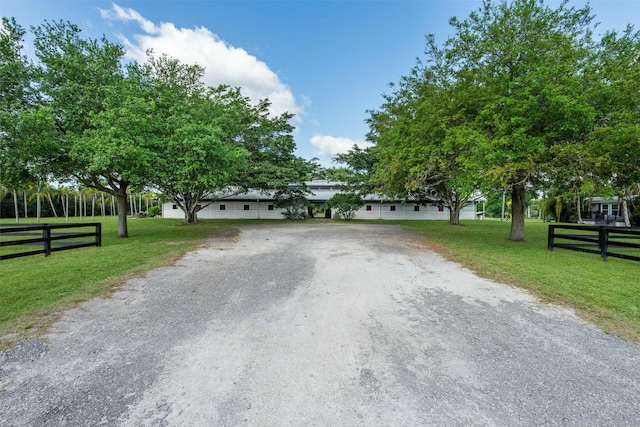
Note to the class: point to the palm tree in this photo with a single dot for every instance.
(15, 205)
(103, 208)
(148, 198)
(48, 190)
(63, 197)
(38, 194)
(25, 195)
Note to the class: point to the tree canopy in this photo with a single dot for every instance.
(519, 99)
(83, 114)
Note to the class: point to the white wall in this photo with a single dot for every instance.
(407, 211)
(235, 209)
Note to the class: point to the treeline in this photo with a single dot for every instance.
(62, 202)
(80, 114)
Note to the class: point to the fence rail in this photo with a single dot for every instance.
(47, 237)
(597, 239)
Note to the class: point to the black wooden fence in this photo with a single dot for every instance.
(47, 238)
(597, 239)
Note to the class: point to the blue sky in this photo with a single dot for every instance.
(326, 61)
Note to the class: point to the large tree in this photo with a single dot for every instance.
(18, 97)
(528, 59)
(74, 81)
(614, 143)
(272, 164)
(188, 131)
(425, 138)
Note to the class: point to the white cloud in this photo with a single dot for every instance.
(223, 63)
(328, 146)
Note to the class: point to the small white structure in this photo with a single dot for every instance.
(258, 205)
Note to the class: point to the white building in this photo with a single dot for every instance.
(258, 205)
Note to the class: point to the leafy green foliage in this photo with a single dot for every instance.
(527, 59)
(357, 174)
(346, 204)
(519, 99)
(424, 136)
(294, 203)
(81, 115)
(154, 211)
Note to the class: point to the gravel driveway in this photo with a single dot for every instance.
(319, 324)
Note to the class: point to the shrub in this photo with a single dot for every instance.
(346, 204)
(154, 211)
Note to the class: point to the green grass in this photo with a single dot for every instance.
(606, 293)
(35, 289)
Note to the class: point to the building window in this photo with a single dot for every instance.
(392, 208)
(416, 208)
(222, 207)
(246, 207)
(270, 207)
(175, 207)
(368, 207)
(614, 210)
(440, 208)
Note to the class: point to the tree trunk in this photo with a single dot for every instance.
(518, 194)
(53, 208)
(625, 212)
(15, 206)
(191, 216)
(38, 206)
(24, 194)
(122, 215)
(579, 208)
(454, 214)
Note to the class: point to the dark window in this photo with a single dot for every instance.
(440, 208)
(368, 207)
(416, 208)
(222, 207)
(175, 207)
(392, 208)
(246, 207)
(270, 207)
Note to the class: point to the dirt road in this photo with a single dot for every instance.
(319, 325)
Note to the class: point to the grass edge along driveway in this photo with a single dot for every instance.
(35, 290)
(605, 293)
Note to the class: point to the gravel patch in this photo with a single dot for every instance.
(319, 324)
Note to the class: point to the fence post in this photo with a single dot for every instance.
(603, 242)
(99, 234)
(550, 237)
(46, 238)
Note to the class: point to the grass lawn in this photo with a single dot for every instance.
(35, 289)
(606, 293)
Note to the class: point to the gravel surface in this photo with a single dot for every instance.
(319, 324)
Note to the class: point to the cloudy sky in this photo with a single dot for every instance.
(328, 62)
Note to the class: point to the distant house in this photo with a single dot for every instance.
(259, 205)
(604, 211)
